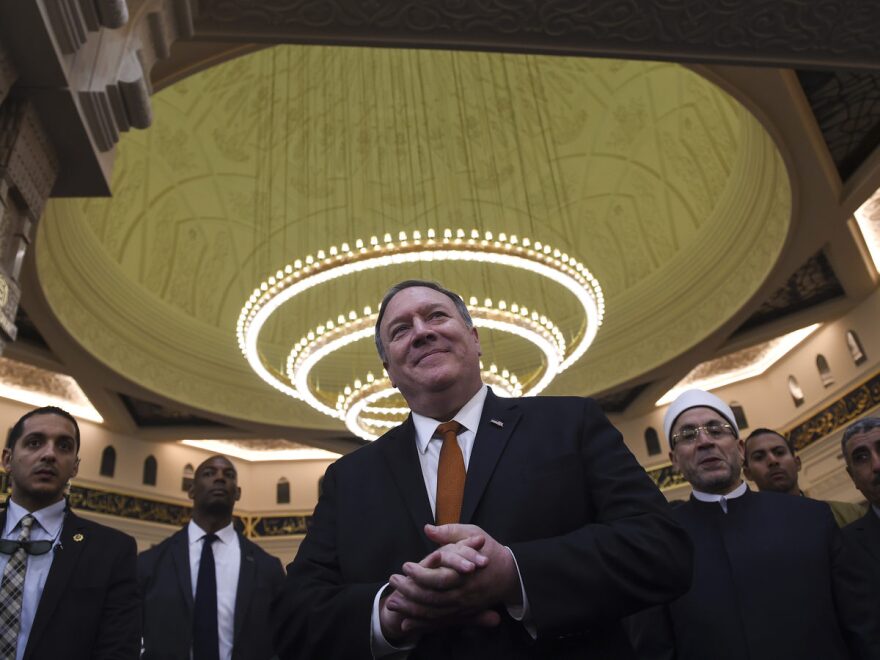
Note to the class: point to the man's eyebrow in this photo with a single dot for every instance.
(423, 309)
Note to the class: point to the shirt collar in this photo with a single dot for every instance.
(196, 533)
(468, 417)
(739, 491)
(50, 518)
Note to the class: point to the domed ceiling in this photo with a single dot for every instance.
(664, 187)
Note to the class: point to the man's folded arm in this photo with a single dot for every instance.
(632, 556)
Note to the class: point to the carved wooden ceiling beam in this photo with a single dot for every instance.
(803, 34)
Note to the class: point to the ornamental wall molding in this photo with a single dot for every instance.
(134, 507)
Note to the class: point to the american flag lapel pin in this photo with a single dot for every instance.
(498, 423)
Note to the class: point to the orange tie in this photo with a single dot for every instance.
(450, 474)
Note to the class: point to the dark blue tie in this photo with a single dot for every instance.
(205, 644)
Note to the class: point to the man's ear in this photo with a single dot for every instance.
(75, 468)
(747, 472)
(385, 367)
(7, 458)
(797, 461)
(237, 493)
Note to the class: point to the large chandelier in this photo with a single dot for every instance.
(369, 405)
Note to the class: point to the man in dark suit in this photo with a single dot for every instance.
(861, 451)
(68, 587)
(207, 589)
(548, 531)
(773, 577)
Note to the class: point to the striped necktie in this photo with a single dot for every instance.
(11, 592)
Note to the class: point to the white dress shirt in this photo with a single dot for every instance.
(429, 445)
(739, 491)
(227, 563)
(47, 527)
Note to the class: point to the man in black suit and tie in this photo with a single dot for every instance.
(517, 528)
(773, 576)
(68, 587)
(207, 590)
(861, 451)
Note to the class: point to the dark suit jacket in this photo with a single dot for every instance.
(166, 589)
(773, 578)
(89, 607)
(551, 479)
(864, 535)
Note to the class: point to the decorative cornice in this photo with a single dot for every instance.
(666, 477)
(788, 33)
(273, 526)
(128, 506)
(836, 416)
(122, 505)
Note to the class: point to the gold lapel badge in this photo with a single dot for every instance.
(78, 537)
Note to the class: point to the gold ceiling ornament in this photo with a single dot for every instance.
(366, 404)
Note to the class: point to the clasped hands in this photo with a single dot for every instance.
(456, 585)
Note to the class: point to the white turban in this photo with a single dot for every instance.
(697, 399)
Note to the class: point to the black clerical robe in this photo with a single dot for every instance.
(773, 578)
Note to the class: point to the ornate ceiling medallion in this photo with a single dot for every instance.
(367, 405)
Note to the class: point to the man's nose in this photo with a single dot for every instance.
(704, 439)
(421, 330)
(48, 453)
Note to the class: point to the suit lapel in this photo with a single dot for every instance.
(180, 556)
(497, 423)
(401, 455)
(74, 539)
(246, 580)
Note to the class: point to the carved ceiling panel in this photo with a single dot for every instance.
(847, 108)
(811, 284)
(780, 32)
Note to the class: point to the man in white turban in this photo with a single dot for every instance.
(773, 576)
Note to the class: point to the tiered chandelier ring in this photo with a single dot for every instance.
(359, 404)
